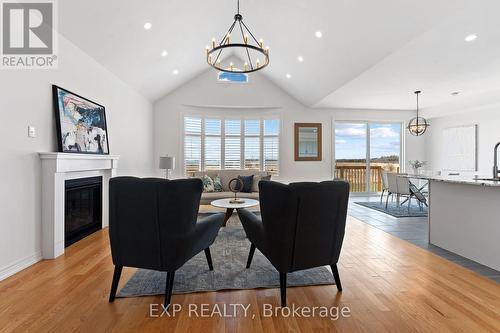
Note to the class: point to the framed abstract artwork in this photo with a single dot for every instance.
(81, 123)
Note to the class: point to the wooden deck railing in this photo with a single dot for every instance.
(355, 175)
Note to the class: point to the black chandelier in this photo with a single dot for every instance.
(418, 125)
(252, 48)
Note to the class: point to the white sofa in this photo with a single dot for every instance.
(225, 177)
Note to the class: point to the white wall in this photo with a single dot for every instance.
(204, 90)
(26, 99)
(487, 119)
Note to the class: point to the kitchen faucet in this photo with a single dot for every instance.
(495, 161)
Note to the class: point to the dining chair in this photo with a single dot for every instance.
(392, 186)
(385, 184)
(403, 186)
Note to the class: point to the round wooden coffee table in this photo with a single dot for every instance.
(230, 207)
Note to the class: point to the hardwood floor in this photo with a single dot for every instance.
(414, 230)
(388, 284)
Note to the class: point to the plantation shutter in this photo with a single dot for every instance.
(252, 144)
(213, 144)
(232, 144)
(271, 146)
(192, 144)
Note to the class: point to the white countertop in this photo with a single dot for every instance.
(467, 180)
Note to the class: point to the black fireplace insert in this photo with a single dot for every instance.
(83, 208)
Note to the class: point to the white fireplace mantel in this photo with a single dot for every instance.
(56, 169)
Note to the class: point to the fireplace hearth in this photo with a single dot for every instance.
(82, 208)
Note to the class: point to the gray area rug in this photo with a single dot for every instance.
(229, 256)
(394, 210)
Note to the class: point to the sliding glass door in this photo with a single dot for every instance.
(363, 150)
(385, 152)
(350, 154)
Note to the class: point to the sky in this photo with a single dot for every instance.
(350, 140)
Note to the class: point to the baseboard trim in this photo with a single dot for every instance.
(19, 265)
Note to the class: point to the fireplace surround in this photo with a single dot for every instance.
(57, 168)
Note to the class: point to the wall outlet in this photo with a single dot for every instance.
(31, 131)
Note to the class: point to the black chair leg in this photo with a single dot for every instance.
(387, 199)
(114, 285)
(250, 255)
(283, 289)
(168, 289)
(382, 196)
(336, 276)
(209, 258)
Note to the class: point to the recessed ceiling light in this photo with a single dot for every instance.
(164, 53)
(318, 34)
(470, 38)
(455, 93)
(175, 71)
(300, 58)
(288, 76)
(147, 26)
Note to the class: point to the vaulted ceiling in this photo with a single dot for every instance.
(373, 54)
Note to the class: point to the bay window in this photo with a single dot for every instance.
(213, 143)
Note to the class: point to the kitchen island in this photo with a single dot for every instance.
(464, 217)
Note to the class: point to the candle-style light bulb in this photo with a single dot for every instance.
(245, 66)
(228, 38)
(207, 48)
(258, 63)
(267, 49)
(261, 42)
(246, 39)
(213, 42)
(231, 65)
(210, 59)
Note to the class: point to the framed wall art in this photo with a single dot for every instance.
(308, 142)
(81, 123)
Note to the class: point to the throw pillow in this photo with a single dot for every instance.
(265, 178)
(256, 180)
(208, 184)
(217, 184)
(247, 183)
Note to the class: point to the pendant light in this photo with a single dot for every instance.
(256, 56)
(418, 125)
